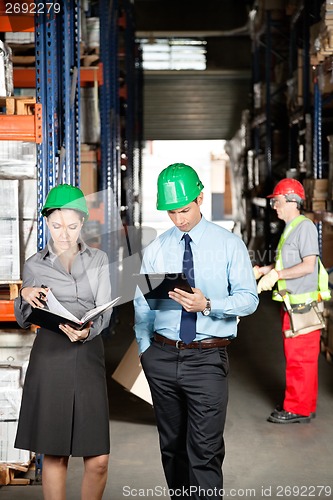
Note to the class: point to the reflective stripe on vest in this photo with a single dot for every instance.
(323, 292)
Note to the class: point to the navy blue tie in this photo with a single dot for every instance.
(188, 319)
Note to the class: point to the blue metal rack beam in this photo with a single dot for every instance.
(317, 132)
(130, 115)
(137, 158)
(317, 150)
(57, 87)
(46, 94)
(268, 137)
(110, 133)
(70, 64)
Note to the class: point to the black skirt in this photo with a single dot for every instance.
(64, 408)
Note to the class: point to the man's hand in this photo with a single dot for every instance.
(191, 302)
(268, 281)
(257, 273)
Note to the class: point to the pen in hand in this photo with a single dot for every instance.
(42, 295)
(35, 296)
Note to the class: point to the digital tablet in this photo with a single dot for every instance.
(156, 288)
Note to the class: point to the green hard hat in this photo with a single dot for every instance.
(66, 196)
(177, 186)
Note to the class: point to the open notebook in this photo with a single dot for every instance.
(54, 314)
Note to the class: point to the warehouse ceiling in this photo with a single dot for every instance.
(223, 24)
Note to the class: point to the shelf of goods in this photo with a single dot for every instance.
(22, 127)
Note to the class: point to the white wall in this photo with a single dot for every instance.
(157, 155)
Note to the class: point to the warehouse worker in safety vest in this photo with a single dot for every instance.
(296, 269)
(183, 351)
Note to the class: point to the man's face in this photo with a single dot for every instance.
(187, 217)
(284, 209)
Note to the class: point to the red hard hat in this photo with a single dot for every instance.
(288, 186)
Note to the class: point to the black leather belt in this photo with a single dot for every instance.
(202, 344)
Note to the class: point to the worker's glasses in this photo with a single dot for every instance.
(275, 202)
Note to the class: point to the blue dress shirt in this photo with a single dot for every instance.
(223, 272)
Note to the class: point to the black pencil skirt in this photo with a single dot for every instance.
(64, 408)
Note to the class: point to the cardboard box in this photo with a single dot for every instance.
(320, 189)
(318, 205)
(88, 155)
(316, 188)
(88, 181)
(130, 375)
(89, 170)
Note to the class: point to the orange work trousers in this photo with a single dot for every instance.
(301, 354)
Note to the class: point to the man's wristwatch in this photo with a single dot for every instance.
(207, 309)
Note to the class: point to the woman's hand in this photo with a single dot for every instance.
(76, 335)
(33, 295)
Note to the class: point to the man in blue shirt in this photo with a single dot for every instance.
(183, 352)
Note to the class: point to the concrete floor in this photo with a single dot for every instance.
(262, 459)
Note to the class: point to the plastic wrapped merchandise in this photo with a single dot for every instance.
(90, 119)
(2, 70)
(9, 70)
(6, 70)
(92, 26)
(9, 230)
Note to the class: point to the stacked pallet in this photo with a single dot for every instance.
(18, 105)
(12, 473)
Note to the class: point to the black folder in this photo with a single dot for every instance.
(155, 288)
(51, 321)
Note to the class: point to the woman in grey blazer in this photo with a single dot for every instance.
(64, 408)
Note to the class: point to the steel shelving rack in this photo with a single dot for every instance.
(110, 133)
(27, 128)
(121, 127)
(131, 120)
(268, 117)
(131, 146)
(55, 127)
(57, 78)
(309, 120)
(303, 113)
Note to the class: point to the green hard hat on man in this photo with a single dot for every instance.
(177, 186)
(66, 196)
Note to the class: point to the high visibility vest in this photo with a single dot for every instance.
(323, 292)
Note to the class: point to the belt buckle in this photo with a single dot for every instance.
(177, 343)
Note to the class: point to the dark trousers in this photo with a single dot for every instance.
(190, 394)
